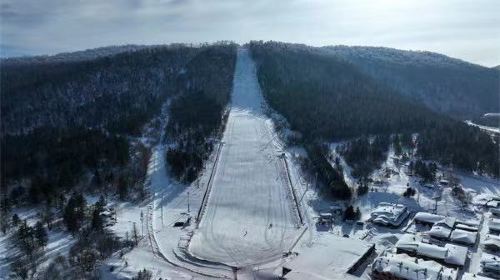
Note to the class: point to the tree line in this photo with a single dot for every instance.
(197, 116)
(328, 99)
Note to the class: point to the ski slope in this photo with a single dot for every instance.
(250, 216)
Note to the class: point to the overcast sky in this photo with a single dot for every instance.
(469, 30)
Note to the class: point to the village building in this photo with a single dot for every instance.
(429, 219)
(495, 212)
(491, 243)
(494, 226)
(403, 266)
(464, 237)
(450, 254)
(389, 214)
(490, 265)
(331, 257)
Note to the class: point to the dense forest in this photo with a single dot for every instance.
(364, 154)
(444, 84)
(491, 120)
(329, 99)
(197, 116)
(118, 93)
(76, 127)
(65, 119)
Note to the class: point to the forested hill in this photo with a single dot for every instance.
(327, 99)
(452, 86)
(63, 119)
(99, 92)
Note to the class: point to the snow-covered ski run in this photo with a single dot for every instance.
(250, 216)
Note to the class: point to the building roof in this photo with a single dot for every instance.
(389, 214)
(492, 241)
(466, 227)
(406, 267)
(431, 251)
(429, 218)
(440, 231)
(463, 236)
(457, 255)
(495, 211)
(490, 262)
(329, 257)
(450, 253)
(494, 224)
(470, 276)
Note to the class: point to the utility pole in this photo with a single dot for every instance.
(142, 224)
(161, 209)
(188, 202)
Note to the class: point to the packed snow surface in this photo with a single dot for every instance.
(249, 217)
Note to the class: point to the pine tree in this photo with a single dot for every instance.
(74, 213)
(135, 234)
(15, 220)
(41, 235)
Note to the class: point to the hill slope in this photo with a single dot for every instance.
(447, 85)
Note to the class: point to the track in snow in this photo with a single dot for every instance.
(250, 216)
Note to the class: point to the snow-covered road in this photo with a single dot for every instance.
(250, 216)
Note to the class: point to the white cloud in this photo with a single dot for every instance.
(465, 29)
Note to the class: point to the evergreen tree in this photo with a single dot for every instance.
(41, 235)
(74, 213)
(15, 220)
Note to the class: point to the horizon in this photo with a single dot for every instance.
(455, 28)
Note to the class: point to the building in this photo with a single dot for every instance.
(329, 257)
(470, 276)
(464, 237)
(487, 201)
(490, 265)
(441, 231)
(388, 214)
(402, 266)
(448, 228)
(450, 254)
(491, 243)
(495, 212)
(429, 219)
(494, 226)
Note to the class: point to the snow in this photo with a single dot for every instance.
(494, 225)
(492, 241)
(389, 214)
(456, 255)
(450, 253)
(463, 236)
(491, 129)
(490, 264)
(428, 218)
(431, 251)
(495, 211)
(471, 276)
(406, 267)
(440, 231)
(249, 217)
(329, 257)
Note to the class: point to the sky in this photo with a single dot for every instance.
(469, 30)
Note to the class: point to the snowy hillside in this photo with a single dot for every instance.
(444, 84)
(250, 216)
